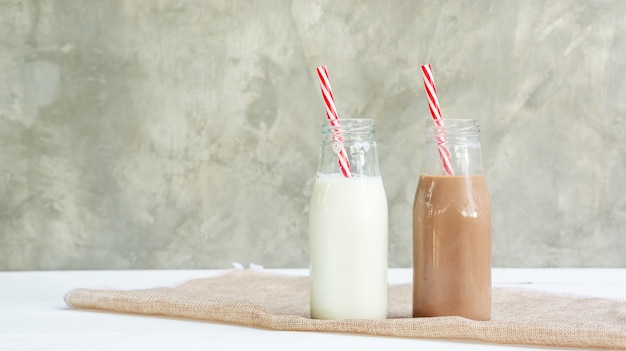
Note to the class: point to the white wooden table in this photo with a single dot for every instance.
(33, 315)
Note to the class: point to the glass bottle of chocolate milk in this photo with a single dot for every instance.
(452, 226)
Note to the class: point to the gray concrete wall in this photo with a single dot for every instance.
(184, 134)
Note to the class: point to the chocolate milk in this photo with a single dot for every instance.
(452, 247)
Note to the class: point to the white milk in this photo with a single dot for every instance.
(348, 248)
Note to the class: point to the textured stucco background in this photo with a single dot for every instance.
(184, 134)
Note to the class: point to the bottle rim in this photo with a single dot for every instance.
(350, 126)
(454, 127)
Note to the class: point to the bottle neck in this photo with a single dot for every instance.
(453, 148)
(354, 138)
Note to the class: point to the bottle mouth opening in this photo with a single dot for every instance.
(354, 126)
(451, 128)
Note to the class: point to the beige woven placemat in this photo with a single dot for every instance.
(265, 300)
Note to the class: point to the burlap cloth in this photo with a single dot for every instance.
(270, 301)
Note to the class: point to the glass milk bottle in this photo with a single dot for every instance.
(348, 228)
(452, 226)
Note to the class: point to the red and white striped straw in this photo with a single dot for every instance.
(435, 111)
(333, 119)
